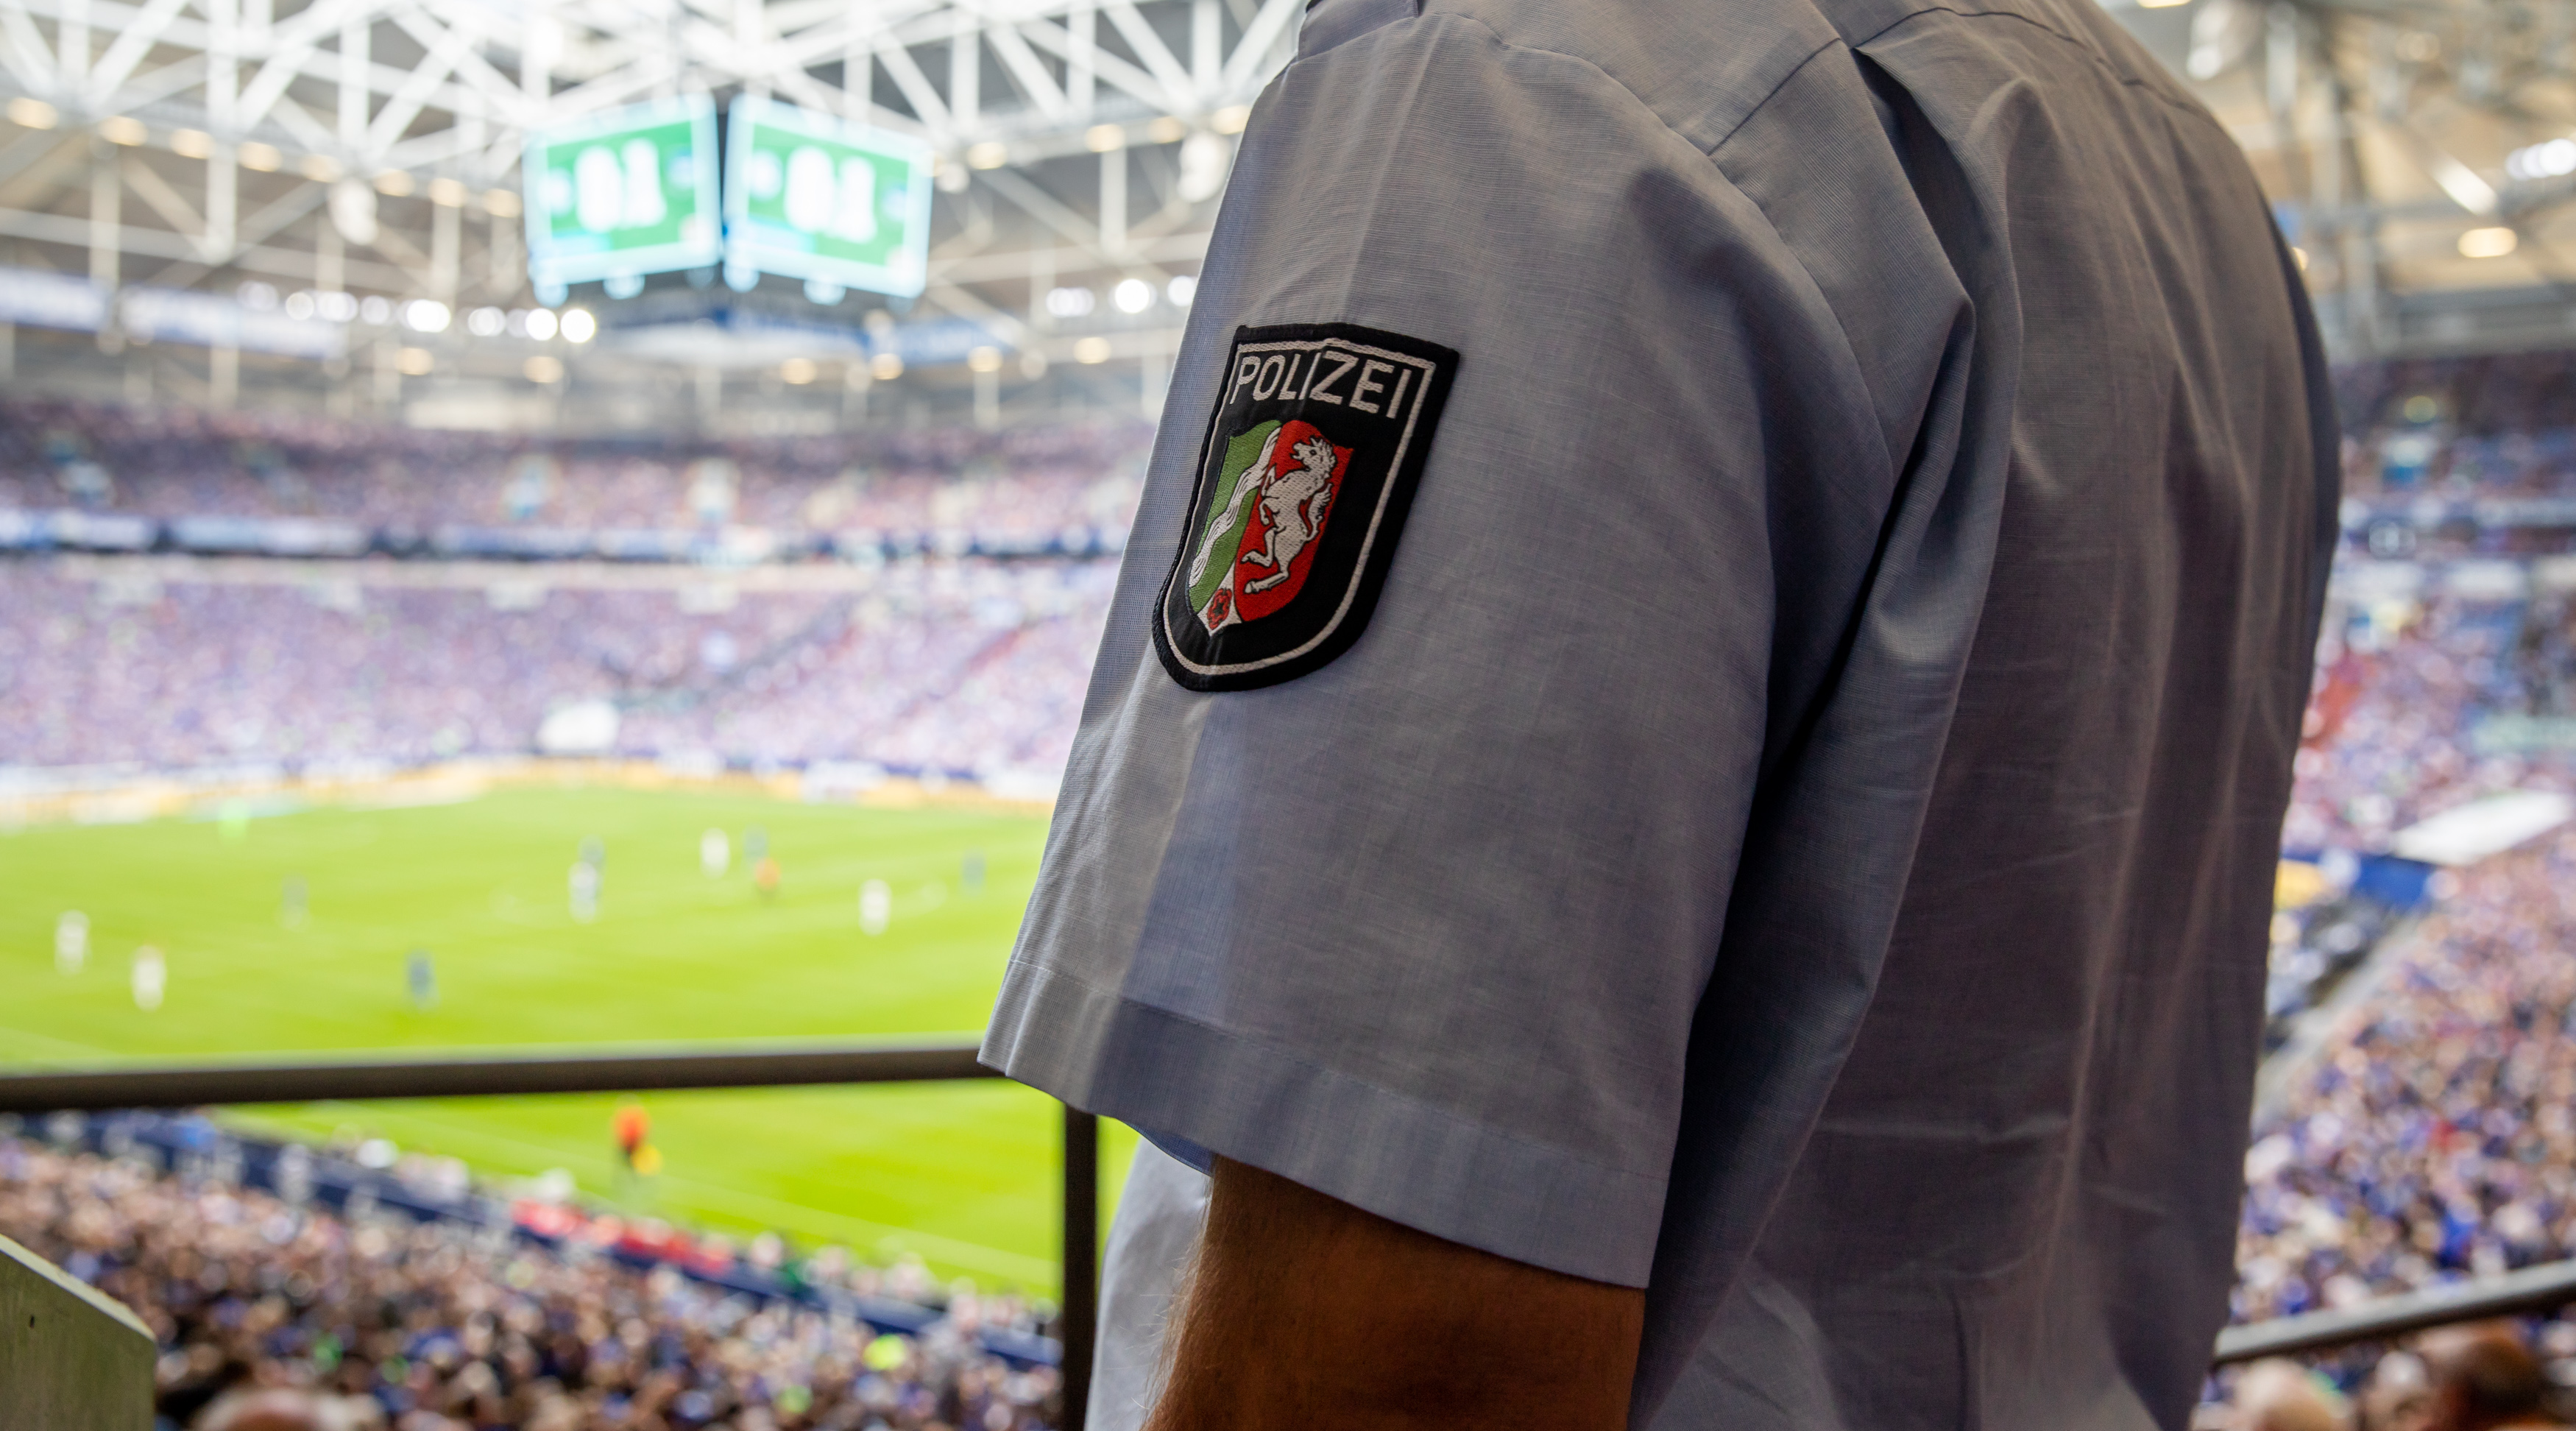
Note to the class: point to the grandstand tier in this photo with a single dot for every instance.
(293, 614)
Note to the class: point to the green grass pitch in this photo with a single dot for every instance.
(961, 1175)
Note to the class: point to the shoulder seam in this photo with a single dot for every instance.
(1842, 326)
(1819, 52)
(1629, 90)
(2091, 54)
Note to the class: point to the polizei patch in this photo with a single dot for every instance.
(1310, 461)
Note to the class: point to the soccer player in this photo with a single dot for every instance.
(151, 978)
(764, 877)
(972, 877)
(422, 977)
(581, 886)
(631, 1127)
(291, 903)
(71, 942)
(715, 853)
(1679, 800)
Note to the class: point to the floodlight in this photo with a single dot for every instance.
(2489, 243)
(2549, 159)
(1204, 161)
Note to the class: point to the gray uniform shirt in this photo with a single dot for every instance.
(1754, 770)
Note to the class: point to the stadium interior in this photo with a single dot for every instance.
(458, 596)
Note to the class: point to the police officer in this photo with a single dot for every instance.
(1679, 799)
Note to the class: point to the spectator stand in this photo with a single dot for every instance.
(193, 1146)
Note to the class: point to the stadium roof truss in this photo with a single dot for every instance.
(374, 144)
(258, 136)
(2407, 145)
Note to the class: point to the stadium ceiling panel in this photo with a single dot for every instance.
(2421, 153)
(360, 142)
(459, 82)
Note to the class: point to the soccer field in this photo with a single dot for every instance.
(961, 1175)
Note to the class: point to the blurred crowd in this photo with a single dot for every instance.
(1027, 485)
(2461, 458)
(2401, 685)
(2498, 421)
(2467, 1378)
(2436, 1139)
(280, 1317)
(2432, 1136)
(963, 668)
(2403, 725)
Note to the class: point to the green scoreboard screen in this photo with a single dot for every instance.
(623, 193)
(812, 196)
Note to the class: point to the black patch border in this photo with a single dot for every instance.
(1404, 476)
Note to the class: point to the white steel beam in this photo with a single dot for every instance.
(1027, 71)
(134, 40)
(1149, 47)
(1252, 53)
(29, 57)
(312, 78)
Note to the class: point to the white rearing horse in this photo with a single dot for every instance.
(1295, 503)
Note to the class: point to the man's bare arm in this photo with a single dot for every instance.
(1305, 1311)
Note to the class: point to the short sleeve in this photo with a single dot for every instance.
(1423, 922)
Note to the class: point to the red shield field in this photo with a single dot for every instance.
(1300, 479)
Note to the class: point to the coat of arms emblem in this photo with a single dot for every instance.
(1318, 439)
(1275, 492)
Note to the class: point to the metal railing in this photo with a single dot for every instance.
(93, 1090)
(2532, 1290)
(71, 1356)
(2544, 1288)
